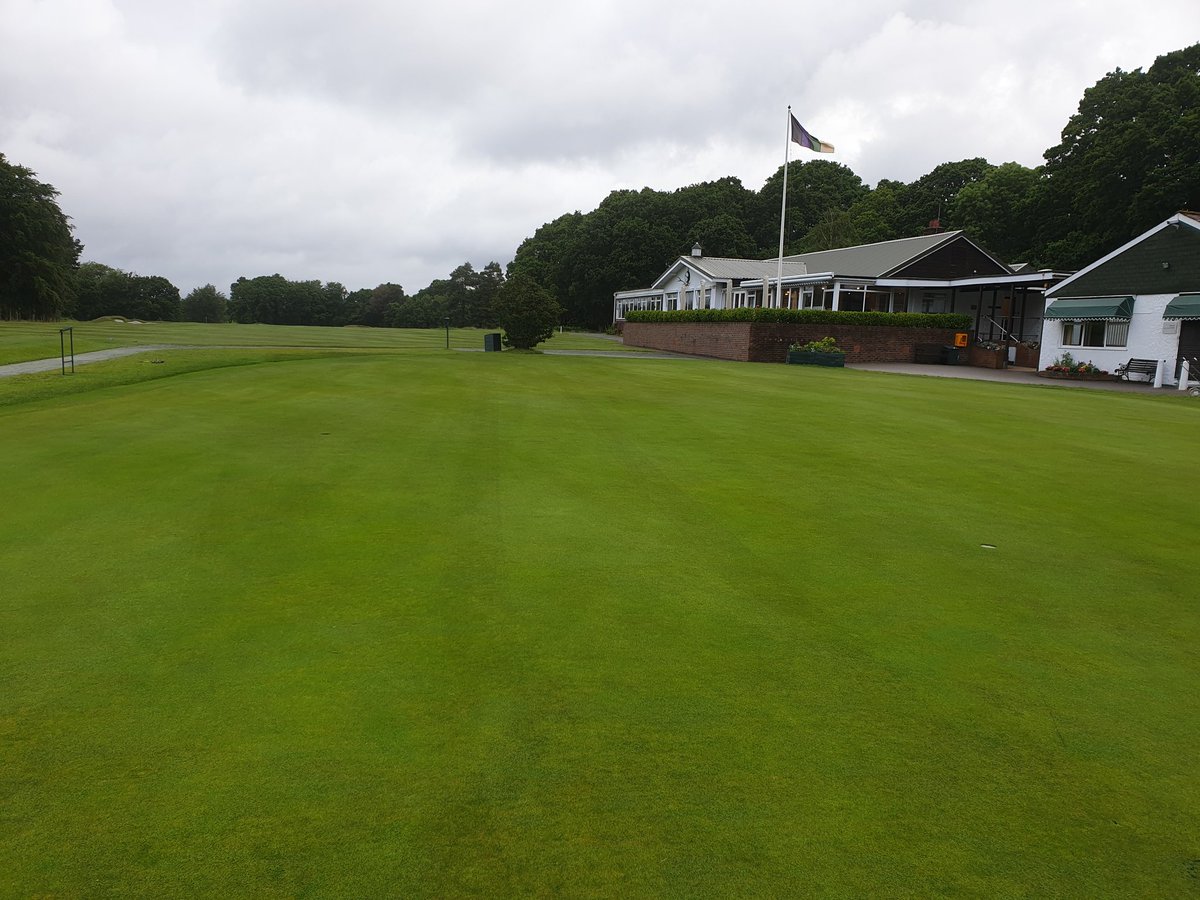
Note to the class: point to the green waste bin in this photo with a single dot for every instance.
(491, 342)
(949, 356)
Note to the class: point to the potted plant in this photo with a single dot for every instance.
(824, 352)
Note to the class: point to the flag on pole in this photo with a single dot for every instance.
(804, 139)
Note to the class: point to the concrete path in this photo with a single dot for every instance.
(1008, 376)
(50, 365)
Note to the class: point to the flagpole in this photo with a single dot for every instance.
(787, 142)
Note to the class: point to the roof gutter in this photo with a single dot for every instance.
(1035, 278)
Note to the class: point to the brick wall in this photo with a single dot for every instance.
(768, 342)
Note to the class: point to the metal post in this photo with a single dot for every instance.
(447, 332)
(63, 334)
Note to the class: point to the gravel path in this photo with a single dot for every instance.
(49, 365)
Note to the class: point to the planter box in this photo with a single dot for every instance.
(987, 359)
(1027, 357)
(811, 358)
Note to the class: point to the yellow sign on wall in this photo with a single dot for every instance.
(960, 339)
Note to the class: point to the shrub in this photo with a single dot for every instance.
(824, 345)
(526, 312)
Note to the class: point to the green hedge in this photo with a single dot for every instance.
(948, 321)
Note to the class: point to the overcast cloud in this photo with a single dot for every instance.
(367, 141)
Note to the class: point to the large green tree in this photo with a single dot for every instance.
(1000, 211)
(370, 306)
(932, 196)
(38, 253)
(274, 300)
(813, 189)
(526, 311)
(105, 291)
(205, 304)
(1128, 159)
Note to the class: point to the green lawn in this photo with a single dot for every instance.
(431, 624)
(21, 341)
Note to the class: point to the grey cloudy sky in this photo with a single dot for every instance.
(366, 141)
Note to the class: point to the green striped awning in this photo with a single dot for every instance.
(1185, 306)
(1091, 308)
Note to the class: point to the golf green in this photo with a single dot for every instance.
(443, 624)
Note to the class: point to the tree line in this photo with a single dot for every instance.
(1127, 159)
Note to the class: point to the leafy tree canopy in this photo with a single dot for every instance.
(205, 304)
(526, 312)
(1128, 158)
(105, 291)
(38, 253)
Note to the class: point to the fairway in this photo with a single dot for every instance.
(21, 341)
(447, 624)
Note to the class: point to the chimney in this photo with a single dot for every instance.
(696, 252)
(935, 226)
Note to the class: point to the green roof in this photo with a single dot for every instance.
(1185, 306)
(1091, 308)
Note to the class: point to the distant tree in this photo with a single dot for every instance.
(834, 229)
(1128, 159)
(526, 312)
(157, 298)
(98, 288)
(878, 216)
(205, 304)
(370, 307)
(721, 235)
(105, 291)
(488, 283)
(38, 253)
(999, 210)
(932, 196)
(261, 299)
(814, 188)
(422, 310)
(274, 300)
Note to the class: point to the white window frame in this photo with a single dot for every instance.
(1116, 333)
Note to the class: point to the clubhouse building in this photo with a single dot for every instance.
(934, 273)
(1142, 301)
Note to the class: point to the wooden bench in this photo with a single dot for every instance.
(1147, 367)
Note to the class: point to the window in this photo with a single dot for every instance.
(1094, 333)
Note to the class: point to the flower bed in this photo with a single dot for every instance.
(1066, 366)
(1078, 376)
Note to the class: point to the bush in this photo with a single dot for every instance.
(824, 345)
(526, 312)
(947, 321)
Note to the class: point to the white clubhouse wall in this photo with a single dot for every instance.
(1150, 337)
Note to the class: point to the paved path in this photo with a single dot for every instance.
(1007, 376)
(49, 365)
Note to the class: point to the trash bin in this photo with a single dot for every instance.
(491, 341)
(949, 356)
